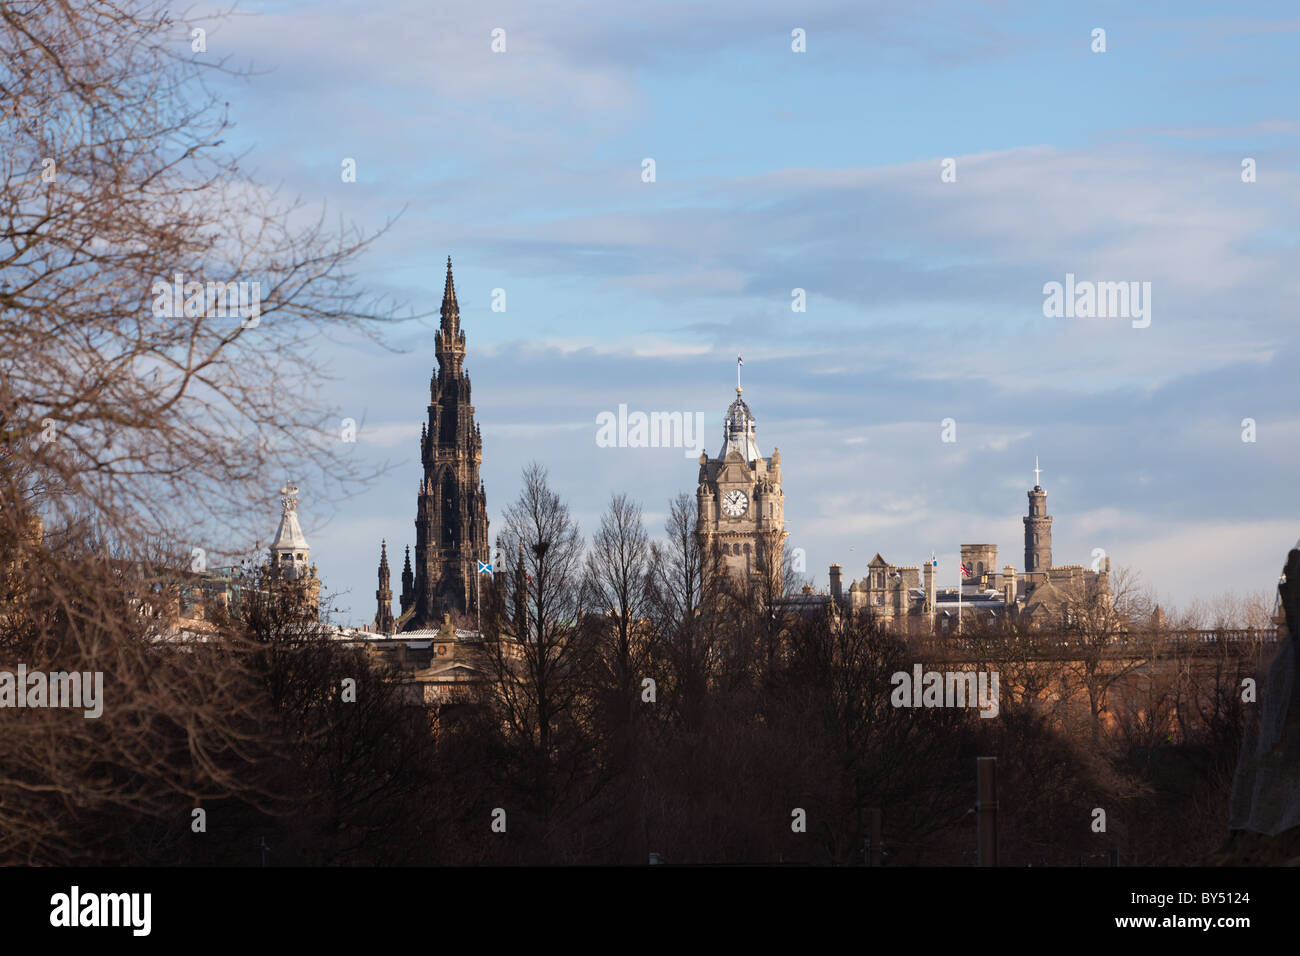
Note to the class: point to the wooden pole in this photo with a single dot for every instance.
(874, 847)
(987, 809)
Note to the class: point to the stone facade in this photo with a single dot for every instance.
(908, 598)
(290, 554)
(741, 507)
(1038, 533)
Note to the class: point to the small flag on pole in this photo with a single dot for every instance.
(484, 567)
(965, 571)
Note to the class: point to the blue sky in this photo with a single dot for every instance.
(818, 170)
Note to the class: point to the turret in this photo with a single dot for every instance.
(927, 576)
(1009, 585)
(384, 595)
(289, 553)
(1038, 530)
(408, 583)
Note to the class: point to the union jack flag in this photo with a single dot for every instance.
(965, 571)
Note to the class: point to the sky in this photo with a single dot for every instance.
(777, 170)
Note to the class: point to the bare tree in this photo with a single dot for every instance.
(685, 582)
(616, 588)
(1095, 618)
(157, 307)
(158, 310)
(537, 662)
(618, 593)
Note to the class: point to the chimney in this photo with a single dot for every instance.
(928, 576)
(836, 584)
(1009, 585)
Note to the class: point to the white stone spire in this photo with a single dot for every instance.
(290, 551)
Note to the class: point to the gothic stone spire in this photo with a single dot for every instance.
(451, 340)
(408, 583)
(451, 518)
(384, 595)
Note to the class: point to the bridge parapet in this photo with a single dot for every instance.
(1067, 646)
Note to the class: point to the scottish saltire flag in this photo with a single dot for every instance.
(484, 567)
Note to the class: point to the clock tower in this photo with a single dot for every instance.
(741, 508)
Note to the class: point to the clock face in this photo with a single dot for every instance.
(734, 503)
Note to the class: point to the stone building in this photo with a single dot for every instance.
(290, 554)
(437, 665)
(200, 593)
(741, 507)
(908, 598)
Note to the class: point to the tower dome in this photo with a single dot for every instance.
(738, 430)
(289, 552)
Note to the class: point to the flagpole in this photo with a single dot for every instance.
(478, 605)
(959, 577)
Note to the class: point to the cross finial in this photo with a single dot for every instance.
(1037, 470)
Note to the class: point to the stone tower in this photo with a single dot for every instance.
(981, 559)
(1038, 530)
(290, 552)
(741, 507)
(384, 614)
(451, 526)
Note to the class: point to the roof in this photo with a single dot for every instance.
(984, 598)
(289, 536)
